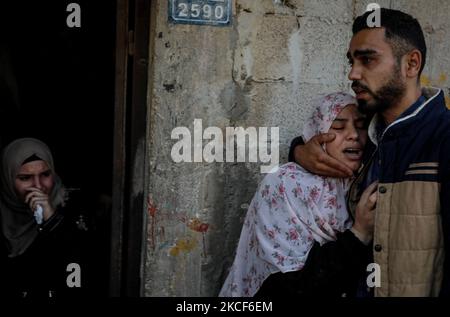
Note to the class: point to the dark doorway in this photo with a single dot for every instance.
(132, 68)
(62, 92)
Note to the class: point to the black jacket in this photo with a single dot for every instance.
(333, 269)
(43, 269)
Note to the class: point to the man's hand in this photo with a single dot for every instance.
(365, 212)
(36, 197)
(313, 158)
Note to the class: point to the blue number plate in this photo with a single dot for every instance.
(210, 12)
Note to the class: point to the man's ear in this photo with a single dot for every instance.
(413, 63)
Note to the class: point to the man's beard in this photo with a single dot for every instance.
(385, 97)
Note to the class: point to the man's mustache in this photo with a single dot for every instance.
(357, 84)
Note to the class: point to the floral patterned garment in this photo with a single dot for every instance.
(291, 209)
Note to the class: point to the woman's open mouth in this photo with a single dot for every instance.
(353, 154)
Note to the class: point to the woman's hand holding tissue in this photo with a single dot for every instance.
(39, 203)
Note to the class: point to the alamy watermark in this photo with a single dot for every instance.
(374, 278)
(74, 277)
(374, 19)
(237, 141)
(74, 18)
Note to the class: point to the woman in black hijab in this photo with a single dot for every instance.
(42, 240)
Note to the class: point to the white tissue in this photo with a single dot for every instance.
(39, 214)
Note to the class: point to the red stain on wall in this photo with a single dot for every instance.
(151, 209)
(196, 225)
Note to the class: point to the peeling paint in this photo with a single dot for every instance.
(196, 225)
(186, 245)
(161, 213)
(425, 81)
(440, 81)
(151, 207)
(155, 213)
(163, 245)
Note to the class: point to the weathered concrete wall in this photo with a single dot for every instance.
(260, 72)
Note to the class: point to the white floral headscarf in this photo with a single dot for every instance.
(291, 209)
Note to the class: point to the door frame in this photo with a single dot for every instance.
(129, 162)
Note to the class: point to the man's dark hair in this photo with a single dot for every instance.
(402, 32)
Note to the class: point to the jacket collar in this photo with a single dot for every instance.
(430, 93)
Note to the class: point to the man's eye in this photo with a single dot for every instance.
(366, 60)
(46, 174)
(337, 128)
(23, 178)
